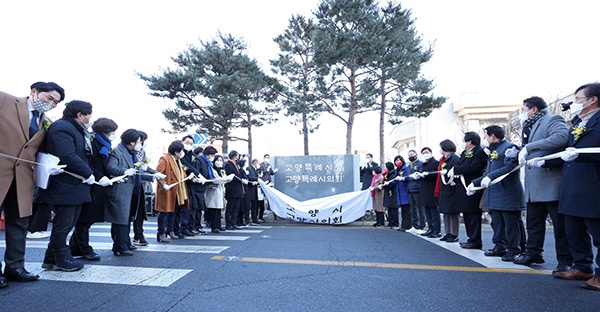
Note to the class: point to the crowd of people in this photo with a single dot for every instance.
(96, 179)
(561, 178)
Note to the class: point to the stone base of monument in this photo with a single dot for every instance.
(269, 216)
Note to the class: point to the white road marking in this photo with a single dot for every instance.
(152, 247)
(198, 237)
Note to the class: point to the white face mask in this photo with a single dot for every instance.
(522, 117)
(188, 147)
(112, 137)
(426, 156)
(576, 108)
(485, 143)
(463, 145)
(218, 164)
(41, 106)
(267, 160)
(138, 147)
(182, 154)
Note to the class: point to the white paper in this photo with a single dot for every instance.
(41, 174)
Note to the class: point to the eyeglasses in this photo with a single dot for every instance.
(581, 97)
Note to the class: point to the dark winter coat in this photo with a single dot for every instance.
(428, 183)
(471, 166)
(447, 196)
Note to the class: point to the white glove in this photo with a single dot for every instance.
(244, 181)
(275, 170)
(424, 173)
(470, 190)
(450, 174)
(130, 172)
(255, 183)
(536, 163)
(90, 180)
(414, 176)
(166, 187)
(372, 188)
(398, 179)
(55, 171)
(569, 154)
(444, 171)
(196, 180)
(121, 181)
(105, 181)
(512, 152)
(523, 155)
(485, 182)
(144, 167)
(380, 186)
(159, 176)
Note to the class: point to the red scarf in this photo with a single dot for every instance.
(436, 193)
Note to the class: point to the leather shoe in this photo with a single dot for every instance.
(3, 282)
(434, 235)
(469, 245)
(216, 231)
(529, 259)
(429, 232)
(574, 274)
(222, 230)
(230, 228)
(92, 256)
(593, 283)
(187, 233)
(445, 238)
(124, 253)
(20, 275)
(561, 268)
(508, 257)
(494, 253)
(452, 239)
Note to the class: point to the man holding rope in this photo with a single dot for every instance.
(21, 125)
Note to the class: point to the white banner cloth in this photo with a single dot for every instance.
(337, 209)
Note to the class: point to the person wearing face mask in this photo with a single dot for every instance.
(234, 191)
(401, 183)
(471, 165)
(543, 134)
(214, 194)
(22, 120)
(118, 208)
(253, 190)
(366, 172)
(69, 140)
(428, 198)
(579, 200)
(504, 199)
(205, 166)
(183, 217)
(102, 135)
(390, 195)
(417, 212)
(267, 169)
(445, 190)
(171, 194)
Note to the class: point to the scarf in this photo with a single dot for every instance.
(137, 179)
(374, 182)
(181, 194)
(436, 192)
(105, 142)
(211, 174)
(528, 124)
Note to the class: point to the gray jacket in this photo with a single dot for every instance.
(548, 135)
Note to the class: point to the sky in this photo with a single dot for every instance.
(496, 52)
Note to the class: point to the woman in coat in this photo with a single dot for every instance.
(122, 162)
(167, 197)
(401, 182)
(470, 166)
(377, 195)
(428, 199)
(214, 196)
(504, 199)
(102, 135)
(446, 191)
(390, 195)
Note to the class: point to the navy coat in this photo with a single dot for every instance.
(94, 212)
(390, 195)
(581, 178)
(507, 194)
(234, 188)
(252, 189)
(414, 186)
(428, 183)
(447, 196)
(402, 186)
(66, 140)
(471, 166)
(366, 175)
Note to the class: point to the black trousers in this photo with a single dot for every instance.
(536, 230)
(232, 210)
(417, 211)
(38, 222)
(182, 219)
(65, 217)
(214, 218)
(581, 234)
(80, 240)
(393, 217)
(244, 214)
(261, 209)
(120, 235)
(138, 215)
(16, 231)
(507, 231)
(196, 210)
(472, 222)
(406, 216)
(433, 219)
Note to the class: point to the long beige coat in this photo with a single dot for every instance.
(165, 200)
(14, 141)
(378, 196)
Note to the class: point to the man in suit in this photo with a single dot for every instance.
(470, 166)
(22, 124)
(579, 200)
(234, 191)
(366, 172)
(267, 169)
(253, 190)
(543, 134)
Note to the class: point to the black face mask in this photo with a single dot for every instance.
(412, 158)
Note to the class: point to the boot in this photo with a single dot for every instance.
(162, 238)
(380, 218)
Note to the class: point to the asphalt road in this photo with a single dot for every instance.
(281, 266)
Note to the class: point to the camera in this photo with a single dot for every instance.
(566, 106)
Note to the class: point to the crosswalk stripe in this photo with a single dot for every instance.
(153, 225)
(152, 247)
(104, 274)
(198, 237)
